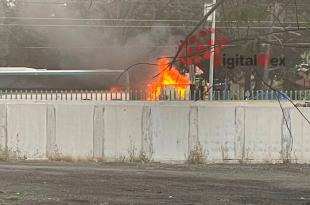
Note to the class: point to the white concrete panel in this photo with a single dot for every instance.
(122, 127)
(26, 130)
(263, 128)
(217, 131)
(171, 126)
(74, 130)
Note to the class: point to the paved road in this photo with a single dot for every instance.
(80, 183)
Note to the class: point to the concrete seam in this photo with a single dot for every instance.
(6, 129)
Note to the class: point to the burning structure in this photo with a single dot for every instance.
(169, 84)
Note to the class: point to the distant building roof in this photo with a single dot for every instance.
(16, 69)
(30, 78)
(23, 71)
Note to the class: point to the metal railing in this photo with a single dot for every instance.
(262, 95)
(143, 95)
(62, 95)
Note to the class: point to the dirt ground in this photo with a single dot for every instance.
(114, 183)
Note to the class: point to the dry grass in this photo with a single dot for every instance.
(197, 155)
(6, 155)
(137, 157)
(60, 158)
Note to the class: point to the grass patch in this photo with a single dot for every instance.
(197, 155)
(6, 155)
(60, 158)
(10, 199)
(137, 157)
(3, 154)
(141, 158)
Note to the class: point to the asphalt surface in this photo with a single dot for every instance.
(114, 183)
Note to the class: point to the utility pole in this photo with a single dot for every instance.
(211, 69)
(274, 11)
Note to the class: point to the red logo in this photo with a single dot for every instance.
(263, 60)
(198, 47)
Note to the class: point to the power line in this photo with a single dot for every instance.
(140, 26)
(98, 19)
(135, 20)
(101, 2)
(201, 22)
(291, 44)
(95, 47)
(93, 26)
(125, 1)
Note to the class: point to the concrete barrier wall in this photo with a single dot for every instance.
(159, 131)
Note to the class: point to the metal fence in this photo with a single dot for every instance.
(63, 95)
(262, 95)
(143, 95)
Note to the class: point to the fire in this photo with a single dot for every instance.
(168, 78)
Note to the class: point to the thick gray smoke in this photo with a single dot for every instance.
(86, 47)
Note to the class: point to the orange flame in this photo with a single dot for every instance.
(168, 77)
